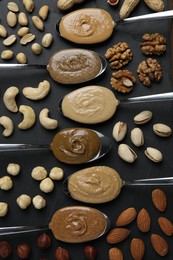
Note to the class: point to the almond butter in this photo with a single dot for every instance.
(126, 217)
(137, 248)
(166, 226)
(159, 199)
(159, 244)
(117, 235)
(115, 254)
(143, 220)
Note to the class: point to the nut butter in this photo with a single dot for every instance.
(90, 104)
(75, 145)
(87, 26)
(72, 66)
(76, 224)
(97, 184)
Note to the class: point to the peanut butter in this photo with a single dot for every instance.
(77, 224)
(97, 184)
(75, 145)
(87, 26)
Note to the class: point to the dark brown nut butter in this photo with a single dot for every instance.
(73, 66)
(76, 224)
(75, 145)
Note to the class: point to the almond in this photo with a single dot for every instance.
(166, 226)
(159, 244)
(159, 199)
(115, 254)
(143, 220)
(137, 248)
(117, 235)
(126, 217)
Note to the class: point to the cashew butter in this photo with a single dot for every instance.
(97, 184)
(90, 104)
(87, 26)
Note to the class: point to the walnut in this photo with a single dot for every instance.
(153, 44)
(148, 71)
(123, 81)
(119, 55)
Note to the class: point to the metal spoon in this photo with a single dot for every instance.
(105, 146)
(77, 222)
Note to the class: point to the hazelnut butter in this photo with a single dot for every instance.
(72, 66)
(75, 145)
(97, 184)
(90, 104)
(87, 26)
(76, 224)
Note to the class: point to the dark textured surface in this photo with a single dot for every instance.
(138, 197)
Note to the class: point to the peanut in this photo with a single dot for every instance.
(155, 5)
(127, 7)
(67, 4)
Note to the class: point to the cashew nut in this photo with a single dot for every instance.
(37, 93)
(47, 122)
(29, 117)
(9, 98)
(8, 125)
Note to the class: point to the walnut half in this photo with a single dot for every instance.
(119, 55)
(123, 81)
(153, 44)
(148, 71)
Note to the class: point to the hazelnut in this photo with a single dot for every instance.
(5, 250)
(90, 252)
(43, 241)
(23, 250)
(62, 254)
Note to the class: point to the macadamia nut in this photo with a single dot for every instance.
(3, 209)
(56, 173)
(13, 169)
(39, 202)
(39, 173)
(46, 185)
(23, 201)
(6, 183)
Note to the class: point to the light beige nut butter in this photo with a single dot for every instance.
(76, 224)
(75, 145)
(97, 184)
(87, 26)
(71, 66)
(90, 104)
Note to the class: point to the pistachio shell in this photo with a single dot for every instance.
(162, 130)
(153, 154)
(137, 137)
(126, 153)
(143, 117)
(119, 131)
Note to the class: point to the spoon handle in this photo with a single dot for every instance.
(21, 66)
(21, 229)
(148, 98)
(151, 181)
(153, 16)
(27, 147)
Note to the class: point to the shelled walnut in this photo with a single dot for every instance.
(153, 44)
(148, 71)
(119, 55)
(123, 81)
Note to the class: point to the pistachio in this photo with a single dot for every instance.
(11, 19)
(7, 55)
(126, 153)
(162, 130)
(23, 31)
(119, 131)
(29, 37)
(43, 12)
(10, 40)
(29, 5)
(47, 40)
(38, 22)
(137, 136)
(36, 48)
(12, 6)
(153, 154)
(21, 58)
(22, 19)
(3, 31)
(143, 117)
